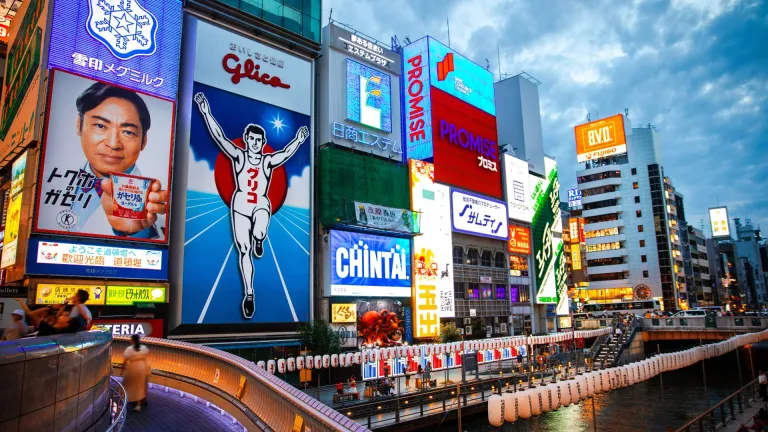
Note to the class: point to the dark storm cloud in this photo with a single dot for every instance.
(695, 69)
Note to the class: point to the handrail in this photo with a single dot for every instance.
(630, 337)
(711, 412)
(118, 405)
(187, 359)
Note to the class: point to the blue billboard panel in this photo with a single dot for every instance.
(417, 103)
(133, 44)
(370, 265)
(460, 77)
(369, 96)
(96, 260)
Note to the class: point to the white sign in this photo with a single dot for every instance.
(240, 65)
(98, 256)
(472, 313)
(574, 198)
(519, 202)
(476, 215)
(385, 218)
(718, 219)
(486, 279)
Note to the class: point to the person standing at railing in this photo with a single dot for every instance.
(17, 329)
(763, 388)
(137, 371)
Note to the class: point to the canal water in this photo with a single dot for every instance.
(641, 407)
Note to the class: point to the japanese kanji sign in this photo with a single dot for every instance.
(476, 215)
(134, 44)
(546, 221)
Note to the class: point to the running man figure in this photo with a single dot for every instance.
(250, 207)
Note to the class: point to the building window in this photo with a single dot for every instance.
(473, 291)
(639, 213)
(458, 289)
(598, 176)
(635, 185)
(637, 200)
(642, 243)
(458, 255)
(645, 273)
(602, 233)
(485, 259)
(639, 228)
(501, 292)
(499, 260)
(487, 293)
(603, 247)
(473, 257)
(643, 258)
(634, 171)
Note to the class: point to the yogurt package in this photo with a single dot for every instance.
(129, 195)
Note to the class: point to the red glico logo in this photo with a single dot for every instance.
(249, 70)
(444, 67)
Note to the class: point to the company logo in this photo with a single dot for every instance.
(125, 27)
(466, 139)
(416, 110)
(361, 261)
(444, 67)
(250, 70)
(67, 219)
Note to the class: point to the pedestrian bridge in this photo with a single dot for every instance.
(712, 328)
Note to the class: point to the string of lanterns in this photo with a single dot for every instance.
(375, 354)
(533, 401)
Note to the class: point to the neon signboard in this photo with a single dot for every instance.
(370, 265)
(460, 77)
(369, 96)
(476, 215)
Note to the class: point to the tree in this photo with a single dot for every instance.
(319, 338)
(449, 333)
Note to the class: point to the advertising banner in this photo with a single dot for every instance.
(432, 251)
(347, 332)
(59, 293)
(574, 198)
(13, 213)
(131, 326)
(369, 96)
(381, 322)
(133, 44)
(370, 265)
(519, 240)
(546, 221)
(417, 103)
(718, 219)
(344, 312)
(98, 133)
(475, 215)
(600, 138)
(131, 295)
(46, 257)
(247, 229)
(518, 265)
(358, 46)
(561, 277)
(576, 257)
(516, 179)
(385, 218)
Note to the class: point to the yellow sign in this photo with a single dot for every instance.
(13, 217)
(298, 422)
(575, 257)
(344, 313)
(241, 387)
(128, 295)
(58, 293)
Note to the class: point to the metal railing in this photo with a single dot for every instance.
(118, 405)
(745, 323)
(266, 399)
(725, 411)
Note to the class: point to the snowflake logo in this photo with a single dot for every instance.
(123, 26)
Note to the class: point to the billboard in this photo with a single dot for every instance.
(344, 312)
(131, 326)
(518, 189)
(476, 215)
(131, 44)
(518, 265)
(13, 212)
(600, 138)
(574, 198)
(247, 226)
(359, 94)
(96, 260)
(97, 134)
(131, 295)
(718, 220)
(370, 265)
(519, 240)
(432, 251)
(381, 322)
(60, 293)
(546, 222)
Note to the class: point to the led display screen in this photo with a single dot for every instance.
(370, 265)
(369, 96)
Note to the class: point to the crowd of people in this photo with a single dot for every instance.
(69, 317)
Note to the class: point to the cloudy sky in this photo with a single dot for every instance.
(696, 69)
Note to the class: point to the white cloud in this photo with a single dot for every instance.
(200, 176)
(298, 190)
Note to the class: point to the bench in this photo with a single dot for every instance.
(338, 398)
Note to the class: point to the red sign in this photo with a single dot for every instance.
(250, 70)
(132, 326)
(519, 240)
(466, 154)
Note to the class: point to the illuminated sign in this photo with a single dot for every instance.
(546, 222)
(418, 104)
(129, 295)
(460, 77)
(95, 260)
(361, 136)
(519, 240)
(718, 219)
(369, 96)
(362, 48)
(432, 251)
(575, 257)
(59, 293)
(600, 138)
(13, 215)
(518, 265)
(519, 203)
(459, 136)
(475, 215)
(344, 312)
(5, 28)
(132, 44)
(370, 265)
(129, 327)
(385, 218)
(574, 198)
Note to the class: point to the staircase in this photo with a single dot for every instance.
(609, 352)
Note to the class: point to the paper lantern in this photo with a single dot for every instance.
(271, 366)
(326, 361)
(291, 363)
(300, 363)
(261, 364)
(281, 366)
(334, 360)
(510, 407)
(309, 362)
(496, 410)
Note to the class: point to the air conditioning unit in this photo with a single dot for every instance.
(461, 331)
(468, 330)
(467, 321)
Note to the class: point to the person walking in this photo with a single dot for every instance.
(407, 373)
(428, 374)
(419, 372)
(137, 371)
(763, 389)
(17, 329)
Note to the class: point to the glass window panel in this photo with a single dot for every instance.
(292, 19)
(313, 8)
(296, 4)
(253, 7)
(273, 11)
(311, 28)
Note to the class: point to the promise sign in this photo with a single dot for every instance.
(600, 138)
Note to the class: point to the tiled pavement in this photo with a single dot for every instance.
(170, 412)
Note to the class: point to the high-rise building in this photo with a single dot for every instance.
(748, 249)
(697, 270)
